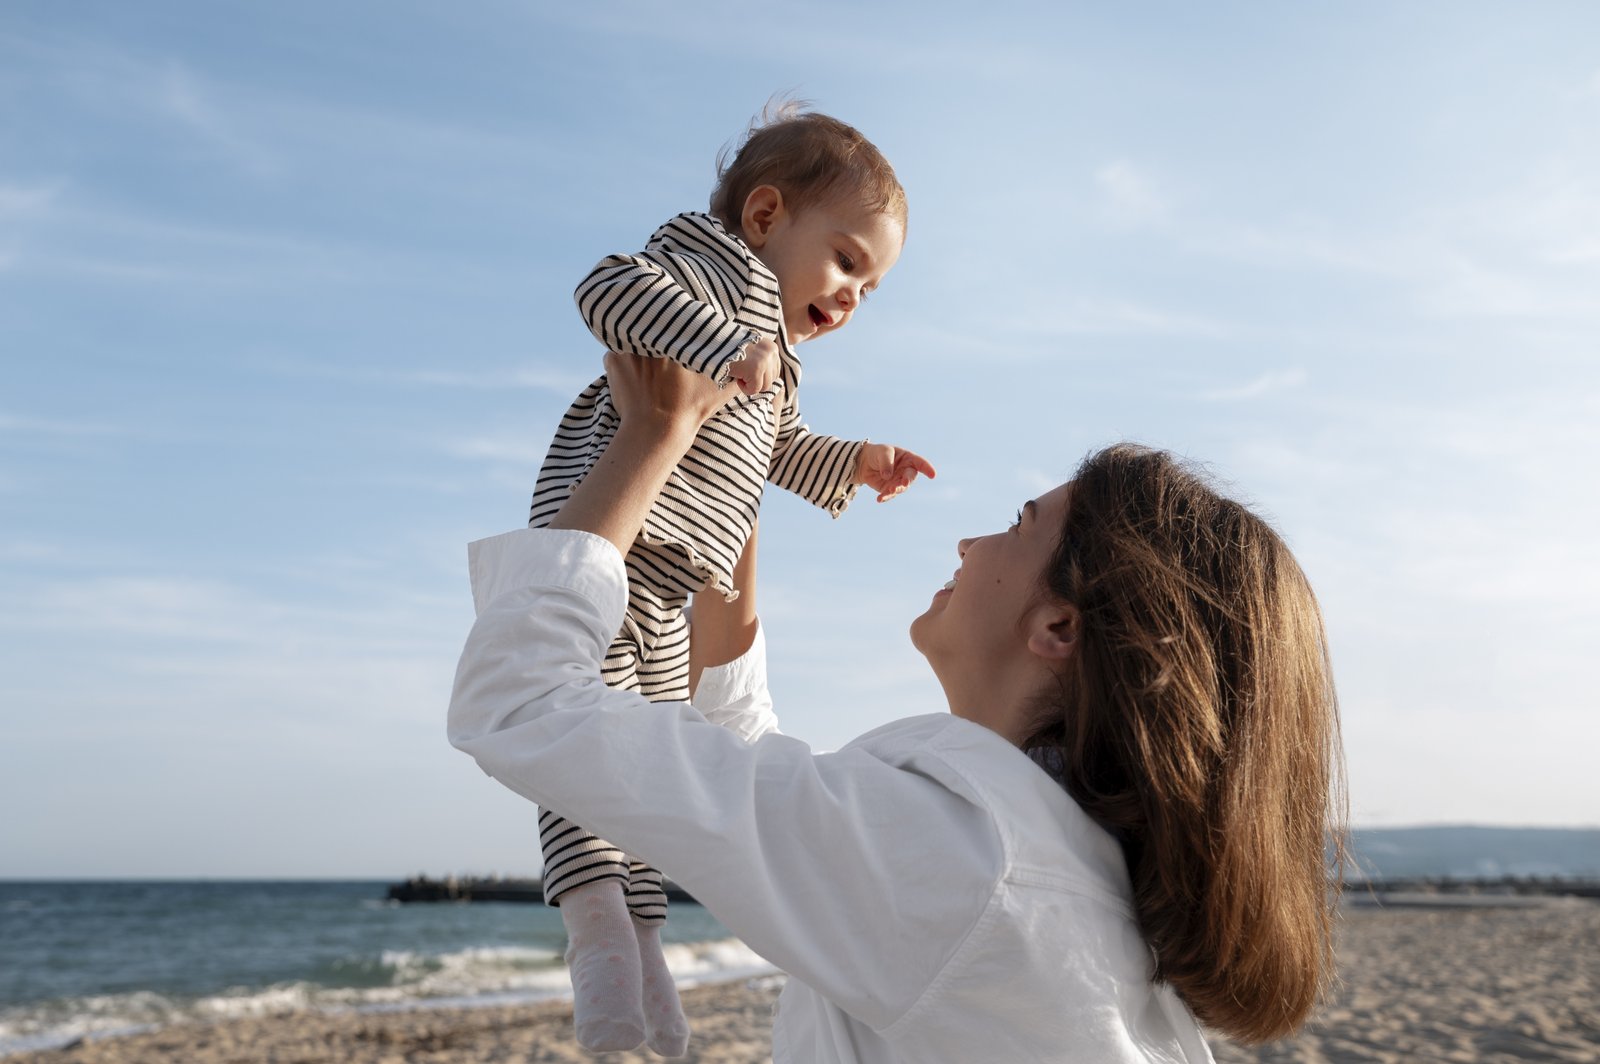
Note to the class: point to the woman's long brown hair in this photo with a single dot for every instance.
(1198, 721)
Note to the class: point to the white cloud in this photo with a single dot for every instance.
(544, 378)
(1529, 250)
(539, 378)
(1037, 480)
(1285, 461)
(49, 427)
(1045, 314)
(975, 56)
(1411, 764)
(1131, 194)
(151, 607)
(118, 246)
(517, 450)
(31, 551)
(1465, 287)
(25, 202)
(238, 643)
(180, 96)
(21, 205)
(1554, 217)
(1266, 384)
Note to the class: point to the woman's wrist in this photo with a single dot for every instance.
(613, 498)
(664, 432)
(662, 406)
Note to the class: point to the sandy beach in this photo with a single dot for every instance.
(1420, 985)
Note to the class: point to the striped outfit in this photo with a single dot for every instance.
(699, 296)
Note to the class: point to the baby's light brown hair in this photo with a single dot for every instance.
(810, 158)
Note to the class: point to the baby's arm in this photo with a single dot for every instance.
(820, 469)
(676, 299)
(825, 470)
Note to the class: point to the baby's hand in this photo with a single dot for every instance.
(758, 369)
(889, 470)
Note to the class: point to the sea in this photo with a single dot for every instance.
(80, 960)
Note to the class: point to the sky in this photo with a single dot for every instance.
(286, 320)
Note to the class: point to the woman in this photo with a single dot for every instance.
(1118, 828)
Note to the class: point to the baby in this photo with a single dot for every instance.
(804, 222)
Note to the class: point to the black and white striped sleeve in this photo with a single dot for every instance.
(677, 299)
(819, 469)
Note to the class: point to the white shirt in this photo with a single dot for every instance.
(933, 894)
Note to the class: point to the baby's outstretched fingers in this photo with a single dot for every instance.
(916, 464)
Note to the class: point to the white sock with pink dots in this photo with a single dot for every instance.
(603, 959)
(666, 1028)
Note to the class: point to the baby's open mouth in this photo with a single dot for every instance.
(819, 319)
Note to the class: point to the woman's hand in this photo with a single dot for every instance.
(659, 395)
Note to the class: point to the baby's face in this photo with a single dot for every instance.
(827, 258)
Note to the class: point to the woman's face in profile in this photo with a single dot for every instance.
(972, 632)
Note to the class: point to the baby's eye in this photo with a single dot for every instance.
(846, 263)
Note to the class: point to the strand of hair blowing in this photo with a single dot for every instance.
(1199, 721)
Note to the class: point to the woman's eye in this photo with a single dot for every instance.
(1016, 523)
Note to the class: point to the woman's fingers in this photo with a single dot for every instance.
(660, 388)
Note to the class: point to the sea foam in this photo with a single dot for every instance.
(395, 980)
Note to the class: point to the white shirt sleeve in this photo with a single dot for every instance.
(735, 696)
(857, 877)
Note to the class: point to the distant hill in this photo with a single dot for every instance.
(1468, 851)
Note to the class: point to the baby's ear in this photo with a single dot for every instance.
(762, 210)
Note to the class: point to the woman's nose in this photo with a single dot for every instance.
(961, 547)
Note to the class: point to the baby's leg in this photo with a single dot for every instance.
(587, 878)
(613, 908)
(574, 857)
(663, 676)
(603, 960)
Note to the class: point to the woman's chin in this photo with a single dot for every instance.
(919, 628)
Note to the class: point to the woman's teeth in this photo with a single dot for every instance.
(948, 584)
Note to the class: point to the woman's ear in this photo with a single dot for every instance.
(762, 210)
(1053, 630)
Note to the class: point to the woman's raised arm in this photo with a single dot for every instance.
(662, 405)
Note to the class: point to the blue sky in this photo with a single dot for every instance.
(286, 320)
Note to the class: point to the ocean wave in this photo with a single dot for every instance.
(692, 963)
(393, 980)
